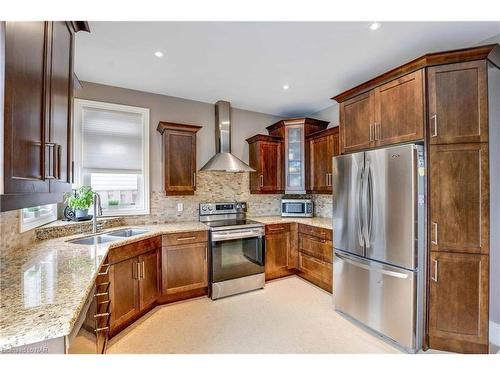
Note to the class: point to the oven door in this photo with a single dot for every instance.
(237, 253)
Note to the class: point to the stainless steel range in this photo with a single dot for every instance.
(237, 249)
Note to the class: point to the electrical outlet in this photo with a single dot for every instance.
(180, 207)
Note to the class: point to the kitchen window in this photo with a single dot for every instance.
(112, 155)
(34, 217)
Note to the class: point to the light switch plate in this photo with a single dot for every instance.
(180, 207)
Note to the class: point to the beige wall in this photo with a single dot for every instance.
(172, 109)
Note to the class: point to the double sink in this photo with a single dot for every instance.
(109, 237)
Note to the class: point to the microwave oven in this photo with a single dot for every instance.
(297, 207)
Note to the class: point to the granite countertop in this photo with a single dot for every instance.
(321, 222)
(44, 286)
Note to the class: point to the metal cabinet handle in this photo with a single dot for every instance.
(101, 329)
(371, 132)
(434, 277)
(101, 315)
(434, 122)
(143, 270)
(185, 238)
(194, 179)
(276, 229)
(435, 228)
(206, 253)
(261, 177)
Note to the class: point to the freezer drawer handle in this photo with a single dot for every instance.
(399, 275)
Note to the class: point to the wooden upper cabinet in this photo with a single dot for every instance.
(59, 141)
(458, 110)
(25, 71)
(399, 110)
(184, 267)
(38, 111)
(459, 201)
(179, 157)
(356, 122)
(458, 316)
(266, 157)
(322, 148)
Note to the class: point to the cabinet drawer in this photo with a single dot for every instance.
(184, 238)
(317, 247)
(316, 271)
(322, 233)
(277, 228)
(121, 253)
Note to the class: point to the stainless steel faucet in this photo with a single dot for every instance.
(97, 211)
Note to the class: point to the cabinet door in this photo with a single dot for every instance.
(356, 120)
(316, 271)
(458, 110)
(184, 267)
(149, 283)
(321, 151)
(295, 159)
(271, 169)
(458, 317)
(180, 162)
(124, 291)
(59, 130)
(459, 198)
(277, 251)
(399, 110)
(25, 56)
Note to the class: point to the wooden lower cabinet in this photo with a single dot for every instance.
(458, 315)
(184, 268)
(149, 282)
(124, 292)
(316, 271)
(134, 288)
(279, 260)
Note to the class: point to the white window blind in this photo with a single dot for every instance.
(112, 140)
(112, 155)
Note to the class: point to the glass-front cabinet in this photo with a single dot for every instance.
(295, 159)
(295, 132)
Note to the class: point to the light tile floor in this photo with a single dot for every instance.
(288, 316)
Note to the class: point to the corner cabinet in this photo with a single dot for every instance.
(179, 157)
(294, 132)
(37, 111)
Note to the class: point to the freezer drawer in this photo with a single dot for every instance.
(380, 296)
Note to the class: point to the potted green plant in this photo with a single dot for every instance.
(80, 201)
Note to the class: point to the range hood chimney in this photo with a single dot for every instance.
(223, 160)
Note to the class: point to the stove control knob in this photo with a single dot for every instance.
(203, 208)
(243, 205)
(238, 206)
(210, 208)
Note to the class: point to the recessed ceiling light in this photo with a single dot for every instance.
(159, 54)
(375, 26)
(286, 87)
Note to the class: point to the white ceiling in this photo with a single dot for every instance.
(248, 63)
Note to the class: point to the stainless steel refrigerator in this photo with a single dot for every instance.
(378, 239)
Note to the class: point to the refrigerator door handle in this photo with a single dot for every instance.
(359, 208)
(383, 269)
(366, 206)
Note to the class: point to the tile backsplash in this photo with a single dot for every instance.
(211, 187)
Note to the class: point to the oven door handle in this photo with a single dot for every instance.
(234, 236)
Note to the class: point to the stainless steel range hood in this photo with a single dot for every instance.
(223, 160)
